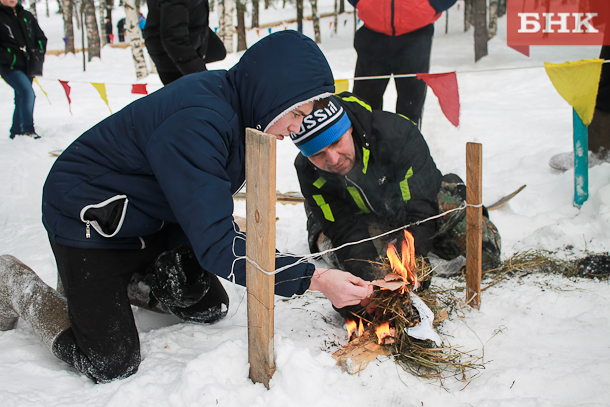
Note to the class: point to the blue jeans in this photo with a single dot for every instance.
(23, 117)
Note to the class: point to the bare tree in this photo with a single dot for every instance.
(336, 16)
(33, 9)
(93, 34)
(241, 25)
(316, 20)
(300, 15)
(134, 35)
(68, 8)
(480, 29)
(255, 13)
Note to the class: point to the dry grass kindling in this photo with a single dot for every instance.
(422, 358)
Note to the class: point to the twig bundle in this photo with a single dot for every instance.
(421, 358)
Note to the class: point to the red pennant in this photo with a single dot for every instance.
(67, 90)
(445, 87)
(139, 89)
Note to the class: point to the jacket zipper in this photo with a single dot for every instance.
(363, 195)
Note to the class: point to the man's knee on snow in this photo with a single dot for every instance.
(118, 362)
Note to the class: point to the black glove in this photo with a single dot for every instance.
(177, 279)
(186, 289)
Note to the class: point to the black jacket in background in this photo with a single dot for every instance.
(18, 33)
(394, 182)
(176, 34)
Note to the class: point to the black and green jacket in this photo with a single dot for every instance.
(18, 33)
(393, 183)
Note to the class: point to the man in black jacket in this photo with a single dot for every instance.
(22, 43)
(178, 38)
(364, 172)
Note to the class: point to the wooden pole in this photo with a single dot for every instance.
(260, 248)
(474, 218)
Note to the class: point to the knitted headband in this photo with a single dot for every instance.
(321, 128)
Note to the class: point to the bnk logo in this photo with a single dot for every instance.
(557, 22)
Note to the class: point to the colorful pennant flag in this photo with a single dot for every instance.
(577, 82)
(269, 29)
(45, 93)
(101, 88)
(67, 90)
(341, 85)
(445, 87)
(258, 32)
(139, 89)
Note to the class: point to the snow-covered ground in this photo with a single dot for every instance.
(543, 339)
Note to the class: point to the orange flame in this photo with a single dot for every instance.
(350, 325)
(383, 331)
(405, 267)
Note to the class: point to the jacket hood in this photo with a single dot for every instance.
(280, 72)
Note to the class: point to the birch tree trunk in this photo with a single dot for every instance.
(226, 9)
(316, 21)
(300, 15)
(93, 34)
(47, 4)
(492, 27)
(134, 36)
(241, 25)
(68, 8)
(33, 9)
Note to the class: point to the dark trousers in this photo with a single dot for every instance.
(103, 341)
(380, 54)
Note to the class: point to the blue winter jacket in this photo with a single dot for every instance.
(177, 156)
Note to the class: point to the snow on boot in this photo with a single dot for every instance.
(23, 294)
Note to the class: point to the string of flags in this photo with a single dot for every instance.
(444, 86)
(575, 81)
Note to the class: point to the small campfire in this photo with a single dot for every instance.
(398, 322)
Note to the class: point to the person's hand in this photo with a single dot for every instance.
(340, 287)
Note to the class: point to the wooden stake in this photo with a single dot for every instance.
(260, 248)
(474, 218)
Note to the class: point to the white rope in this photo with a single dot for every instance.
(304, 258)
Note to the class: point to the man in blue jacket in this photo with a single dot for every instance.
(143, 202)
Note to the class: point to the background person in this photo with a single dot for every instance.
(20, 38)
(396, 39)
(178, 38)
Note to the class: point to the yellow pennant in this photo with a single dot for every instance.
(101, 88)
(45, 93)
(341, 85)
(577, 83)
